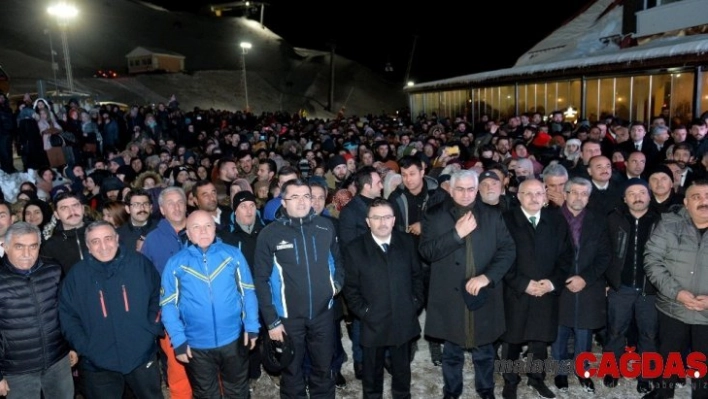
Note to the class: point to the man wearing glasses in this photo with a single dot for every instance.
(384, 288)
(469, 250)
(139, 206)
(532, 287)
(298, 272)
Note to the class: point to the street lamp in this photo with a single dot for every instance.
(245, 46)
(65, 12)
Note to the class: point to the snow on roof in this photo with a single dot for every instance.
(581, 43)
(142, 50)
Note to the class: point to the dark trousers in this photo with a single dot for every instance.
(339, 356)
(255, 359)
(317, 337)
(676, 336)
(144, 381)
(624, 306)
(227, 365)
(538, 349)
(373, 371)
(454, 361)
(582, 342)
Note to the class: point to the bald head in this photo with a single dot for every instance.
(201, 229)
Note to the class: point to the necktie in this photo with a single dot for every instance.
(533, 221)
(637, 146)
(385, 247)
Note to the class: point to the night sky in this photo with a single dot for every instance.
(453, 37)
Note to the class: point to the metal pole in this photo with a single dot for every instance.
(67, 58)
(330, 98)
(262, 12)
(54, 64)
(245, 81)
(410, 60)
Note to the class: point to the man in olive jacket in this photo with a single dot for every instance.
(466, 242)
(676, 262)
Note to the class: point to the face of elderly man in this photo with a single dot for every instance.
(23, 250)
(201, 229)
(102, 242)
(532, 195)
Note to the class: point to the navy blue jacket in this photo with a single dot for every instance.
(298, 269)
(109, 311)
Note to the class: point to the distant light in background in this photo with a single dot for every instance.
(65, 12)
(411, 83)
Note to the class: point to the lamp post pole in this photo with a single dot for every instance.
(245, 46)
(54, 64)
(65, 12)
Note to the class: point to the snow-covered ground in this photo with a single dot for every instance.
(427, 381)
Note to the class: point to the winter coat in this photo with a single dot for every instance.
(384, 290)
(129, 234)
(31, 339)
(298, 269)
(675, 259)
(109, 311)
(68, 247)
(587, 309)
(207, 297)
(545, 252)
(352, 219)
(620, 225)
(400, 201)
(161, 243)
(494, 252)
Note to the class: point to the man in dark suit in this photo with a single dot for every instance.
(384, 288)
(582, 300)
(534, 282)
(637, 139)
(655, 151)
(606, 191)
(466, 242)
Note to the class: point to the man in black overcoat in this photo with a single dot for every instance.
(469, 250)
(533, 285)
(384, 289)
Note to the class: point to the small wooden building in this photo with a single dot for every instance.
(150, 59)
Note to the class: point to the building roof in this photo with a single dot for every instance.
(142, 51)
(584, 43)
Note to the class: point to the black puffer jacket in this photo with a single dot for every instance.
(67, 247)
(29, 318)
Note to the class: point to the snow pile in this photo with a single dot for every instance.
(10, 183)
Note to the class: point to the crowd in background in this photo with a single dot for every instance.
(125, 166)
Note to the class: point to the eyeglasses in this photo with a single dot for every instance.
(536, 194)
(296, 198)
(140, 205)
(318, 198)
(583, 194)
(377, 218)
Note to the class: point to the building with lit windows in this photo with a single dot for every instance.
(632, 59)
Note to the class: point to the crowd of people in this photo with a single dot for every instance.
(203, 248)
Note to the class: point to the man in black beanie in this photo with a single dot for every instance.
(337, 172)
(663, 195)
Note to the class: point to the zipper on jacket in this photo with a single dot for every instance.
(78, 244)
(307, 263)
(125, 299)
(103, 303)
(41, 330)
(211, 297)
(636, 245)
